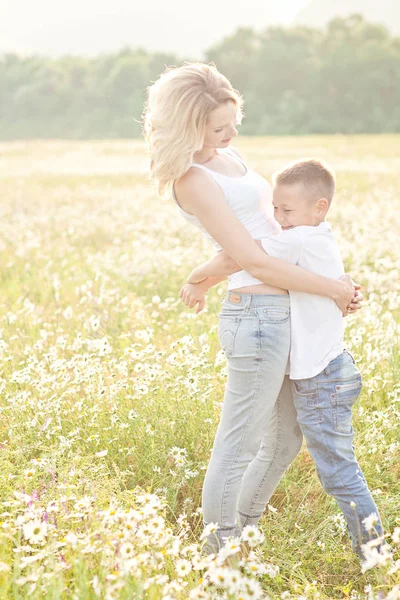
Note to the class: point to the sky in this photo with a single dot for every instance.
(90, 27)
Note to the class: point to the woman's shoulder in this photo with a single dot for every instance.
(195, 182)
(190, 178)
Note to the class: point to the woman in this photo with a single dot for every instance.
(190, 118)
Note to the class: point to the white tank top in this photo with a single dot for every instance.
(250, 198)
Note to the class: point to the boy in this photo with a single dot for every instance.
(325, 380)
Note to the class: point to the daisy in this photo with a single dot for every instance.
(126, 550)
(370, 521)
(252, 535)
(183, 567)
(35, 531)
(210, 528)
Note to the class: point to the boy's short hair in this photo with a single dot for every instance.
(316, 176)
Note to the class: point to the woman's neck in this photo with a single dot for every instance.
(204, 155)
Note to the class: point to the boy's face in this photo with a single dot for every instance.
(293, 207)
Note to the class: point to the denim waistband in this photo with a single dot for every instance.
(255, 300)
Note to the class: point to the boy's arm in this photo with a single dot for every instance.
(209, 282)
(194, 293)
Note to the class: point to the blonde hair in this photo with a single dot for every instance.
(316, 176)
(175, 117)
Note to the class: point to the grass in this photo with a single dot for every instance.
(111, 389)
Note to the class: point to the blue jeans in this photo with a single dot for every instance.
(258, 436)
(323, 405)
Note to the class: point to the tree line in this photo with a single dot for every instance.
(297, 80)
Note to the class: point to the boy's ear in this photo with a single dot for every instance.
(322, 205)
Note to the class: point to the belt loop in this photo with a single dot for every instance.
(247, 304)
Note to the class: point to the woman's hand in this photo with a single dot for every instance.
(192, 294)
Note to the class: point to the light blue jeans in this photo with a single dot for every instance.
(258, 436)
(323, 405)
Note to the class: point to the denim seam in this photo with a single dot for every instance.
(249, 516)
(332, 460)
(238, 320)
(278, 440)
(256, 389)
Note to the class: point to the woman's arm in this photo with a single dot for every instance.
(221, 265)
(201, 196)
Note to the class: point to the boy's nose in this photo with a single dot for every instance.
(281, 221)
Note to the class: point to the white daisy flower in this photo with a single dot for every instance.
(252, 535)
(198, 594)
(370, 521)
(210, 528)
(253, 589)
(183, 567)
(35, 531)
(219, 577)
(72, 539)
(126, 550)
(396, 535)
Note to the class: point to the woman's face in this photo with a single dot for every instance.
(221, 126)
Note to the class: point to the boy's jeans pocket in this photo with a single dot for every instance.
(342, 400)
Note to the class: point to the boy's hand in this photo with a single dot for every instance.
(355, 304)
(192, 294)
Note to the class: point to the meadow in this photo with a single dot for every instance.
(111, 388)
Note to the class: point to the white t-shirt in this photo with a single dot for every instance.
(317, 327)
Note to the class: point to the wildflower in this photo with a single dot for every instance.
(396, 535)
(126, 550)
(150, 429)
(72, 539)
(29, 473)
(232, 546)
(252, 535)
(101, 453)
(96, 585)
(4, 567)
(253, 589)
(183, 567)
(198, 594)
(35, 531)
(394, 567)
(209, 529)
(370, 521)
(156, 523)
(219, 577)
(32, 578)
(374, 557)
(67, 313)
(190, 474)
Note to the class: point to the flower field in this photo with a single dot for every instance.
(111, 388)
